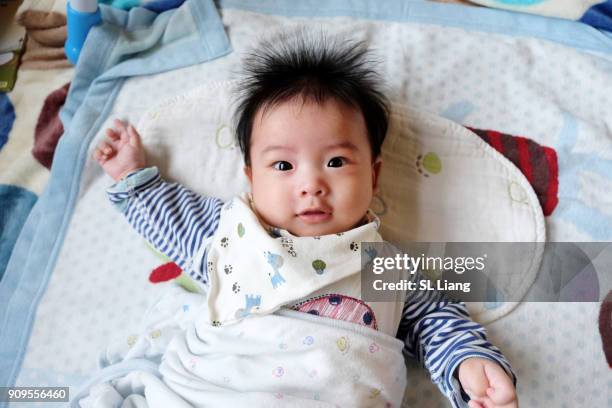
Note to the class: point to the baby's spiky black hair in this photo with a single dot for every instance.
(315, 68)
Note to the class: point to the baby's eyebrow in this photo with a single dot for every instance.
(277, 147)
(340, 145)
(343, 145)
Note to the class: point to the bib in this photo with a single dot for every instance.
(254, 269)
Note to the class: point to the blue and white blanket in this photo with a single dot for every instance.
(596, 13)
(77, 276)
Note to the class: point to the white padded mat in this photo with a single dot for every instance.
(460, 188)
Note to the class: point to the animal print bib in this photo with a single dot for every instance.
(254, 269)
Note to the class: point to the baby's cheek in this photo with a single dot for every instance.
(359, 195)
(272, 206)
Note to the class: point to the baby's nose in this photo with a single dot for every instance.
(313, 184)
(315, 191)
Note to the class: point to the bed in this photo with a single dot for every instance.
(77, 277)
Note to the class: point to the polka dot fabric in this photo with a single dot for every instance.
(555, 95)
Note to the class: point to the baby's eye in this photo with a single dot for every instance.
(336, 162)
(282, 166)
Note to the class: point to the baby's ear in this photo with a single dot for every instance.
(376, 166)
(249, 173)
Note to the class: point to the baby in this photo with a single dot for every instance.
(311, 120)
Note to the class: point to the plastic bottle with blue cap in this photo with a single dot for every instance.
(81, 16)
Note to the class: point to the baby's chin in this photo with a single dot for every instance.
(313, 232)
(317, 230)
(298, 228)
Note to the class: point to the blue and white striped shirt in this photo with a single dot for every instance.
(437, 332)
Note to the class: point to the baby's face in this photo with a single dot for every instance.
(311, 167)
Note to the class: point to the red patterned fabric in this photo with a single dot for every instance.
(538, 163)
(605, 327)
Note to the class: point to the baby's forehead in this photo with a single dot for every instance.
(297, 103)
(329, 122)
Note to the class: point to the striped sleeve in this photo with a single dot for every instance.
(175, 220)
(440, 335)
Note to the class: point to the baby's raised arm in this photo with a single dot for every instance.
(174, 219)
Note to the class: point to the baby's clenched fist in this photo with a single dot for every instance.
(121, 152)
(487, 384)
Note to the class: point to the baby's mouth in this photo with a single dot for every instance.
(314, 216)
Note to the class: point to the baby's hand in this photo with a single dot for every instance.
(121, 152)
(487, 384)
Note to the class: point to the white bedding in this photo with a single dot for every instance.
(286, 359)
